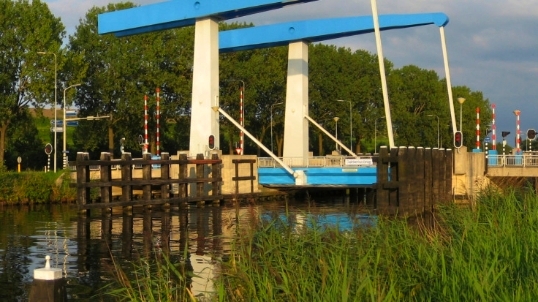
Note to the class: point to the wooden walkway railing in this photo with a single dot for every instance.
(155, 191)
(410, 181)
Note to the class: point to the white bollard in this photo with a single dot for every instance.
(48, 285)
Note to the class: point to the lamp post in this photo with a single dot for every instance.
(336, 130)
(438, 144)
(64, 150)
(461, 100)
(350, 124)
(55, 99)
(375, 133)
(272, 124)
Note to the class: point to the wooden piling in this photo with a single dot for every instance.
(83, 176)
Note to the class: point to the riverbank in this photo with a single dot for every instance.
(35, 188)
(484, 254)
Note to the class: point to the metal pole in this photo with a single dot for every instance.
(493, 128)
(375, 136)
(55, 99)
(55, 104)
(350, 127)
(158, 118)
(336, 131)
(382, 72)
(64, 150)
(461, 108)
(241, 134)
(518, 131)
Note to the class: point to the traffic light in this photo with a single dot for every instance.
(531, 134)
(458, 139)
(505, 133)
(211, 142)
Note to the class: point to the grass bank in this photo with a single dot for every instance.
(488, 254)
(35, 187)
(485, 254)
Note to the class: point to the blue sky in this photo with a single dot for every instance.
(492, 44)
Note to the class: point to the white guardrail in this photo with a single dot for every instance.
(522, 160)
(318, 161)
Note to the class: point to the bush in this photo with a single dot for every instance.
(35, 187)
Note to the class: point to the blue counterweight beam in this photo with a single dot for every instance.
(319, 30)
(181, 13)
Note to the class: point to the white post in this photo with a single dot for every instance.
(48, 284)
(64, 150)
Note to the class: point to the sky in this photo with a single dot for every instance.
(492, 45)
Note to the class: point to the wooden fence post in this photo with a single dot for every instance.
(216, 175)
(382, 196)
(394, 193)
(106, 177)
(126, 177)
(146, 176)
(183, 188)
(403, 191)
(428, 182)
(449, 165)
(83, 178)
(165, 175)
(199, 175)
(420, 181)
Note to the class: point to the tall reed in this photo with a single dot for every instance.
(149, 279)
(488, 254)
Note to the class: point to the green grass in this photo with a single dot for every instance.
(485, 254)
(35, 187)
(43, 128)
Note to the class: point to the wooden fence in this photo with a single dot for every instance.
(410, 181)
(155, 191)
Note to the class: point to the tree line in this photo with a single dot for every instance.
(116, 73)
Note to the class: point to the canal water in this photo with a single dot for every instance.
(86, 248)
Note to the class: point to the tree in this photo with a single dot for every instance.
(25, 76)
(119, 72)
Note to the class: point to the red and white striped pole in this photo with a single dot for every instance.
(241, 134)
(493, 128)
(145, 150)
(158, 116)
(477, 128)
(518, 131)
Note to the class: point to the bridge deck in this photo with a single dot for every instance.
(521, 165)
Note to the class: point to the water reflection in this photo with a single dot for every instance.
(87, 247)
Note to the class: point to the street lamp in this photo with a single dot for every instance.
(350, 124)
(438, 144)
(55, 98)
(272, 123)
(461, 100)
(64, 150)
(336, 130)
(375, 133)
